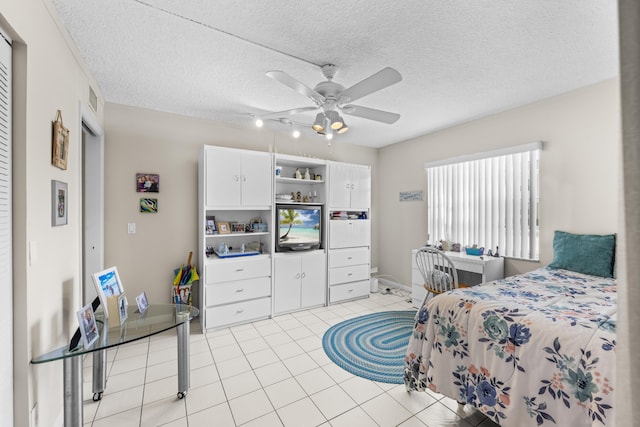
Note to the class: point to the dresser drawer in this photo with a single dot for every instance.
(237, 313)
(348, 274)
(240, 290)
(349, 291)
(346, 257)
(239, 269)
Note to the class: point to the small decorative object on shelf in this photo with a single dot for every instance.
(306, 174)
(497, 253)
(211, 225)
(298, 174)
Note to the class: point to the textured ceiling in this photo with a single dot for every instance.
(459, 59)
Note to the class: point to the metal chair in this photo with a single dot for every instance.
(437, 270)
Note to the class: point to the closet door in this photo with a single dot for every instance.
(6, 247)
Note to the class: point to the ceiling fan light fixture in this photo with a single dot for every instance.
(343, 129)
(336, 120)
(259, 123)
(329, 135)
(295, 133)
(318, 124)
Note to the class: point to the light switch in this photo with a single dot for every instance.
(131, 227)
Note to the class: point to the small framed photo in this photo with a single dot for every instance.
(59, 203)
(123, 304)
(149, 205)
(147, 183)
(59, 143)
(108, 284)
(210, 227)
(224, 228)
(142, 302)
(238, 227)
(88, 327)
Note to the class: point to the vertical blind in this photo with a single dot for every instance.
(489, 199)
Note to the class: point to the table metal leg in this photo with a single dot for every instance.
(99, 373)
(73, 416)
(184, 331)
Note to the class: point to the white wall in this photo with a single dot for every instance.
(47, 76)
(145, 141)
(578, 171)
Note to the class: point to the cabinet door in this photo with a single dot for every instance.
(256, 179)
(223, 177)
(314, 270)
(349, 233)
(287, 283)
(339, 186)
(360, 177)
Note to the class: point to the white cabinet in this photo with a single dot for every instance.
(348, 274)
(349, 233)
(349, 186)
(235, 186)
(472, 270)
(237, 178)
(300, 281)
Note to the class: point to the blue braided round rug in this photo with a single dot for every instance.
(371, 346)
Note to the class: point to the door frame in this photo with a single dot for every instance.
(89, 120)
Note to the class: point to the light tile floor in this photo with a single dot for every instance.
(267, 373)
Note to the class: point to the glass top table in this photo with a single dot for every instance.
(154, 320)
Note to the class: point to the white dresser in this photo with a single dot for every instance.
(472, 270)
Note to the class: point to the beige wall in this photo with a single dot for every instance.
(47, 76)
(578, 171)
(145, 141)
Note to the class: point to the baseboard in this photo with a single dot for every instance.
(392, 284)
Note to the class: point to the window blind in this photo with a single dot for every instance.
(489, 199)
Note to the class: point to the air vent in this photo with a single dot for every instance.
(93, 99)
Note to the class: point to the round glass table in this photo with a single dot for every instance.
(154, 320)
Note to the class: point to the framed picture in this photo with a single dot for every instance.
(224, 228)
(149, 205)
(59, 203)
(108, 284)
(142, 302)
(238, 227)
(210, 227)
(88, 327)
(60, 143)
(123, 304)
(147, 183)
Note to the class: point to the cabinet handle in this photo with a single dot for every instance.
(298, 276)
(349, 274)
(238, 270)
(240, 311)
(244, 178)
(353, 186)
(236, 178)
(239, 290)
(349, 257)
(347, 186)
(304, 275)
(350, 290)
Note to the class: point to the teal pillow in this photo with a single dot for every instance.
(584, 253)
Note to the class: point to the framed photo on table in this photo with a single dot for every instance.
(88, 327)
(108, 284)
(142, 302)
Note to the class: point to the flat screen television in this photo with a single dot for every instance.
(299, 227)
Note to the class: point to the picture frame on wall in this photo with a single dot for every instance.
(59, 143)
(147, 183)
(59, 203)
(149, 205)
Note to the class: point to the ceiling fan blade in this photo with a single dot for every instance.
(380, 80)
(296, 85)
(371, 114)
(285, 113)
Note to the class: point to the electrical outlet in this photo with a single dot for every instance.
(131, 228)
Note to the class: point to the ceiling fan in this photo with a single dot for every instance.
(332, 98)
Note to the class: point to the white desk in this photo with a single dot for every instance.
(472, 270)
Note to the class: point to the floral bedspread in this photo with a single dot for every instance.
(533, 349)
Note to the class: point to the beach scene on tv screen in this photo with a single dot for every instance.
(299, 225)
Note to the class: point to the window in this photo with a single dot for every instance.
(489, 199)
